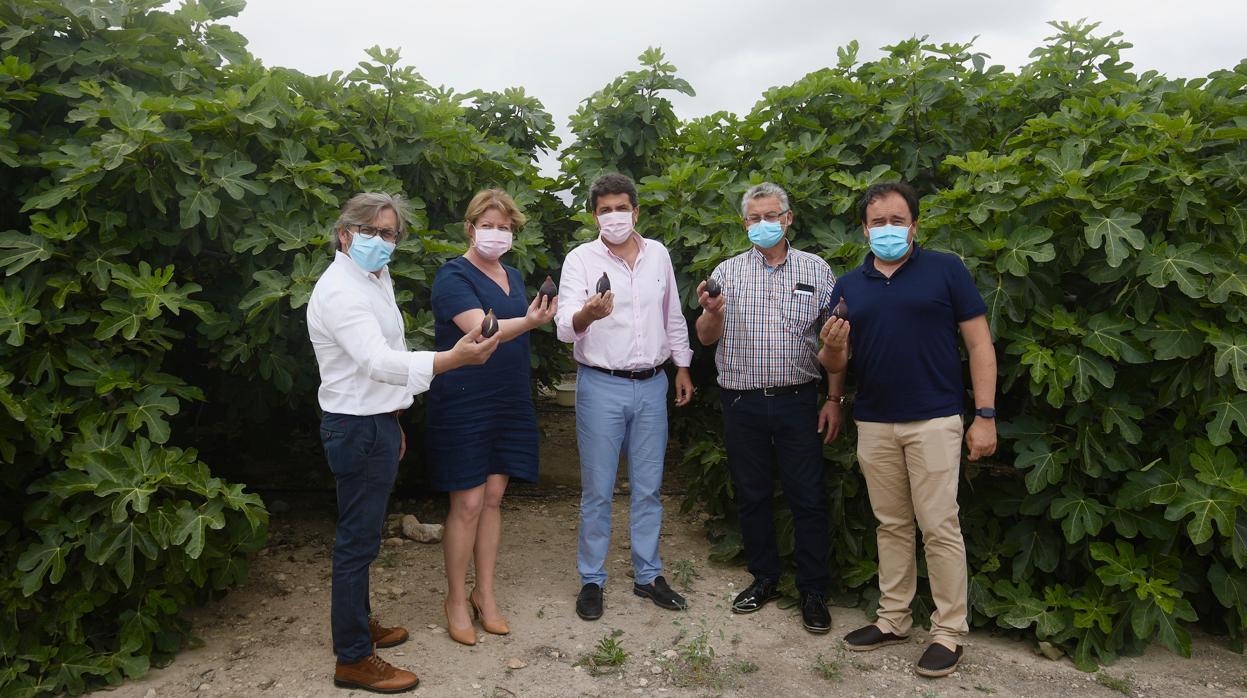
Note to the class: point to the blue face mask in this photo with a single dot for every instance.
(766, 233)
(371, 254)
(889, 242)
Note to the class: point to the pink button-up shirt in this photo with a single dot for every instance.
(646, 326)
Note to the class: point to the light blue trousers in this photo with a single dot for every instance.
(614, 413)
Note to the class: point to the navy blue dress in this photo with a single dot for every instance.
(479, 420)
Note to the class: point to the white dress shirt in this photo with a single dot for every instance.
(357, 333)
(646, 325)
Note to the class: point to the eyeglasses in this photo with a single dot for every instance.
(769, 217)
(368, 232)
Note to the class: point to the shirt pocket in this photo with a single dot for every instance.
(800, 312)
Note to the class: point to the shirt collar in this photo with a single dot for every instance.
(762, 258)
(641, 243)
(868, 265)
(344, 259)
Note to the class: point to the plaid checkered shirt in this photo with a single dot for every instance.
(771, 319)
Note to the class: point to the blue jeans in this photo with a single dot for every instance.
(760, 433)
(363, 455)
(614, 413)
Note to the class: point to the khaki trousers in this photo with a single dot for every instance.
(911, 470)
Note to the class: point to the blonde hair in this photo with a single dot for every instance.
(364, 208)
(495, 199)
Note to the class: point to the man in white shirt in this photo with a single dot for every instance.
(367, 378)
(623, 337)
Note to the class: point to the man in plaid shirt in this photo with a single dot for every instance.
(766, 320)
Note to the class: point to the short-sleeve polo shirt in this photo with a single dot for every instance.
(904, 334)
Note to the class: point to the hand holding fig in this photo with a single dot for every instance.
(599, 305)
(472, 349)
(542, 309)
(713, 304)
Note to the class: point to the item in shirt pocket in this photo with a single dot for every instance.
(713, 288)
(604, 284)
(489, 326)
(548, 289)
(841, 310)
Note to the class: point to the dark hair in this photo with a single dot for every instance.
(881, 189)
(613, 183)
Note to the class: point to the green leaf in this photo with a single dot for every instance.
(1080, 515)
(1116, 233)
(18, 251)
(1122, 567)
(1184, 265)
(1206, 506)
(198, 199)
(229, 175)
(1227, 410)
(1124, 416)
(1230, 589)
(1106, 335)
(194, 523)
(1086, 367)
(1024, 245)
(1231, 356)
(1046, 466)
(46, 558)
(1170, 338)
(149, 409)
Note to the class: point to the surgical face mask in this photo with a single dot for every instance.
(492, 243)
(766, 233)
(615, 226)
(889, 242)
(370, 253)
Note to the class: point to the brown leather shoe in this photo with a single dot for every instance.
(374, 674)
(498, 626)
(386, 637)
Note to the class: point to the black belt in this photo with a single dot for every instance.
(773, 391)
(641, 375)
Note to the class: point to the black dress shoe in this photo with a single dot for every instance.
(938, 661)
(589, 602)
(871, 638)
(661, 594)
(814, 614)
(755, 595)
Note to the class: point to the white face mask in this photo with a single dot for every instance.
(492, 243)
(615, 226)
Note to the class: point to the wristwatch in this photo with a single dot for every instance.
(985, 412)
(837, 398)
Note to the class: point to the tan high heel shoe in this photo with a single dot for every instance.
(465, 636)
(496, 627)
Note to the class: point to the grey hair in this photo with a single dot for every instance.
(762, 191)
(364, 208)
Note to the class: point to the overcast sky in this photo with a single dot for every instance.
(562, 51)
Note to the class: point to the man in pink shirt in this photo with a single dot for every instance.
(623, 336)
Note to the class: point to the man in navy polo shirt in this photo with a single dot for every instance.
(906, 306)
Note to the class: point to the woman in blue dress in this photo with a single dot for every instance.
(480, 424)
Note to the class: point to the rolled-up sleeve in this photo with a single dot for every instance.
(354, 328)
(573, 292)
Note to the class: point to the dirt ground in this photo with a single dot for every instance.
(271, 636)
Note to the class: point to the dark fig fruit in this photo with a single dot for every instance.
(713, 288)
(489, 326)
(841, 310)
(604, 283)
(548, 289)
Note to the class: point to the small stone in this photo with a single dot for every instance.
(204, 687)
(516, 663)
(151, 693)
(670, 654)
(643, 682)
(395, 541)
(281, 577)
(431, 626)
(305, 630)
(476, 686)
(421, 532)
(655, 669)
(397, 591)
